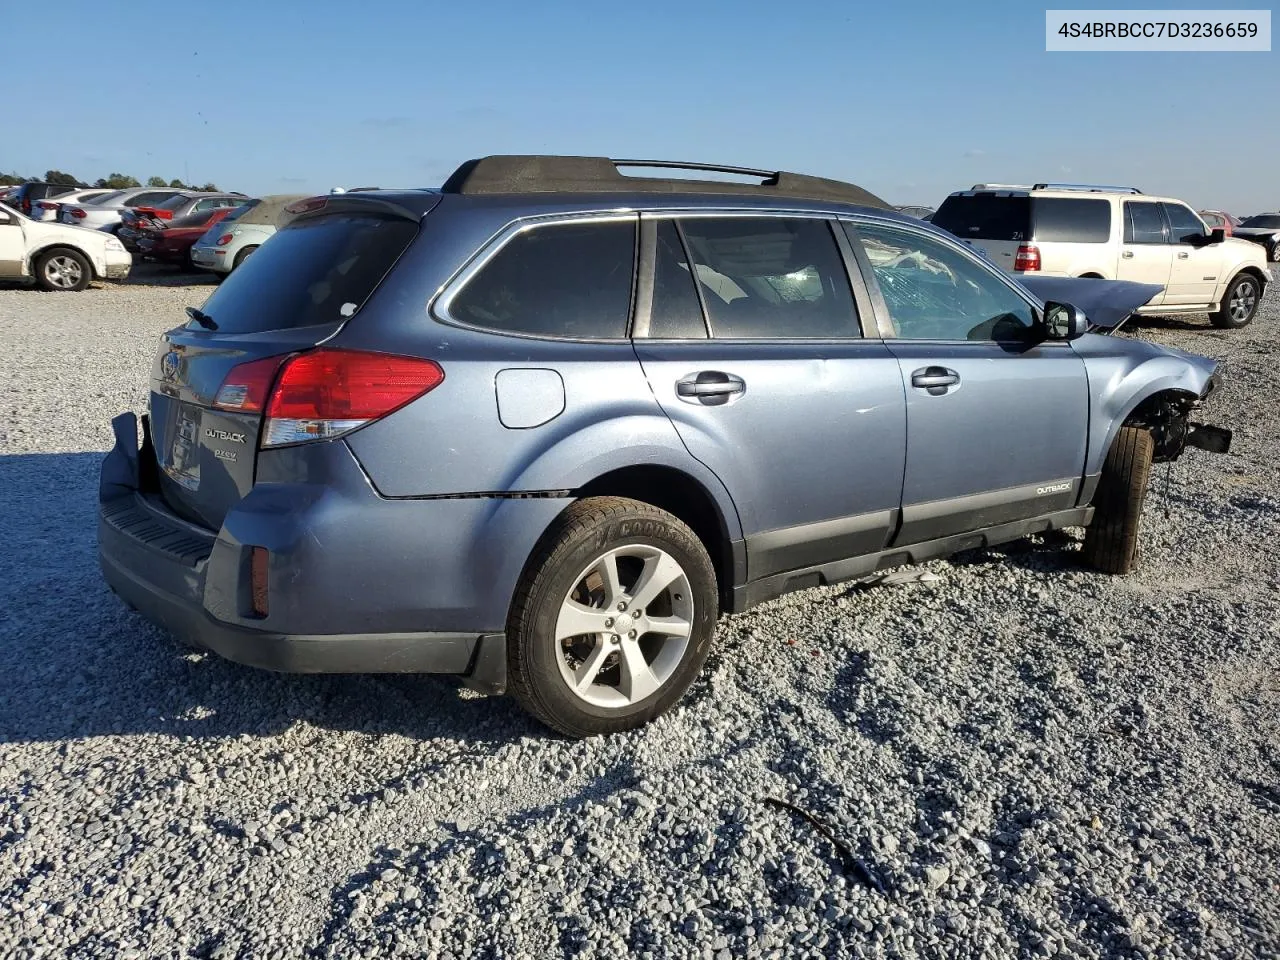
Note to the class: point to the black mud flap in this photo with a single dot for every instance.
(1206, 437)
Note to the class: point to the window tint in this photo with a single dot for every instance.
(1143, 223)
(676, 313)
(1072, 221)
(151, 199)
(771, 277)
(936, 293)
(312, 272)
(559, 280)
(1182, 223)
(190, 220)
(1264, 222)
(985, 216)
(209, 203)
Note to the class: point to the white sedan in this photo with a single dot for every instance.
(47, 209)
(57, 257)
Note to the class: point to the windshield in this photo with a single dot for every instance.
(1267, 221)
(314, 272)
(173, 202)
(105, 197)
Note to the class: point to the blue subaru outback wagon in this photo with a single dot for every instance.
(540, 427)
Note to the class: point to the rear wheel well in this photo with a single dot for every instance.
(682, 496)
(1164, 414)
(1091, 276)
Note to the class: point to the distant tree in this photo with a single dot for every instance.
(57, 176)
(118, 181)
(177, 183)
(211, 188)
(11, 180)
(156, 182)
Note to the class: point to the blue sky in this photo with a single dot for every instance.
(911, 100)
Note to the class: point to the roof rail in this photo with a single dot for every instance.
(1089, 187)
(1000, 186)
(554, 174)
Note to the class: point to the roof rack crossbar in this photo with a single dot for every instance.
(1091, 187)
(518, 174)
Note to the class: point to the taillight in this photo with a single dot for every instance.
(326, 393)
(78, 213)
(245, 388)
(224, 239)
(1027, 257)
(46, 205)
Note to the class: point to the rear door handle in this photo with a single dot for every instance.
(937, 380)
(1183, 255)
(710, 388)
(1127, 255)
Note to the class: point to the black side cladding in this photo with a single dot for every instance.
(516, 174)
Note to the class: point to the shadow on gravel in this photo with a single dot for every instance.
(164, 275)
(78, 663)
(1046, 553)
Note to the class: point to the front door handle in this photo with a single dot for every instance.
(711, 388)
(1127, 255)
(937, 380)
(1183, 255)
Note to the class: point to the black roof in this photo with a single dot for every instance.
(517, 174)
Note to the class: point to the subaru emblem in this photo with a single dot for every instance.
(169, 366)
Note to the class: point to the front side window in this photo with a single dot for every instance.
(1143, 222)
(559, 280)
(1184, 226)
(934, 292)
(771, 277)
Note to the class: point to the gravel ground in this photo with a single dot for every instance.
(1023, 758)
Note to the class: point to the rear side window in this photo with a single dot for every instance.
(149, 199)
(771, 277)
(559, 280)
(986, 216)
(1143, 222)
(676, 313)
(315, 271)
(1063, 220)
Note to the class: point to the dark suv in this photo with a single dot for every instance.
(27, 195)
(540, 427)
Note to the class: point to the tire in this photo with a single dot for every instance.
(1275, 253)
(63, 270)
(1239, 304)
(1111, 541)
(241, 257)
(595, 542)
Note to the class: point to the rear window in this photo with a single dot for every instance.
(1063, 220)
(315, 271)
(190, 220)
(1271, 222)
(986, 216)
(560, 280)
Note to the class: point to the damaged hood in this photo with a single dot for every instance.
(1107, 303)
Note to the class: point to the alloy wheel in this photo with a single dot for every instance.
(1243, 299)
(63, 272)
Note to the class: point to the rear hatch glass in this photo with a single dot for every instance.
(986, 216)
(294, 292)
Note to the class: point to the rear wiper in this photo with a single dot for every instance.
(202, 318)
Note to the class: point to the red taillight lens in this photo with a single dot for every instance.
(1027, 257)
(245, 388)
(78, 213)
(326, 393)
(46, 205)
(224, 239)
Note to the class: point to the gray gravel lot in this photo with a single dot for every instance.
(1027, 757)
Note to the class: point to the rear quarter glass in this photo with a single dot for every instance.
(1071, 220)
(986, 216)
(315, 271)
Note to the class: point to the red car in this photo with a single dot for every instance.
(172, 243)
(1219, 218)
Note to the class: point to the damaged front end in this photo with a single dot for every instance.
(1168, 417)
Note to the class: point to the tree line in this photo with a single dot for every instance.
(116, 181)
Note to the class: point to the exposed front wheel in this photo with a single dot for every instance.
(613, 620)
(1239, 303)
(63, 269)
(1111, 541)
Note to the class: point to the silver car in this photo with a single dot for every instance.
(233, 239)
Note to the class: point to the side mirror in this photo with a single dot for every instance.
(1062, 321)
(1217, 234)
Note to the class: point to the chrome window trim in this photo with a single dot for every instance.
(440, 304)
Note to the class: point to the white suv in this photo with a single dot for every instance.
(57, 257)
(1115, 233)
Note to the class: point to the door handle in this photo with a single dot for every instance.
(1127, 255)
(1183, 255)
(937, 380)
(710, 388)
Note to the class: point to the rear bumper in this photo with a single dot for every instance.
(357, 584)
